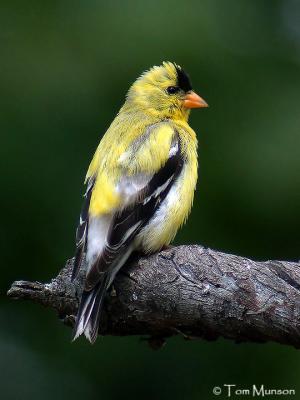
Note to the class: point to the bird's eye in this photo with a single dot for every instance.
(172, 89)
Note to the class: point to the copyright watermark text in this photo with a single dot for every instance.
(231, 390)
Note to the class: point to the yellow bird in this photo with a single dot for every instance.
(140, 184)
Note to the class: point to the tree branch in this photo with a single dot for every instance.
(188, 290)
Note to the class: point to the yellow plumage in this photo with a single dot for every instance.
(141, 182)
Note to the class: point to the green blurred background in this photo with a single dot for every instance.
(65, 68)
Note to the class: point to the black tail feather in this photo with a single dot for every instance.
(89, 312)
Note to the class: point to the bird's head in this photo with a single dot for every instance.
(165, 92)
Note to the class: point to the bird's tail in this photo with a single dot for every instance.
(89, 312)
(87, 320)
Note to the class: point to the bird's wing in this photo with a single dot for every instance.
(82, 228)
(149, 168)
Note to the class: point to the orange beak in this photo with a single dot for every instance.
(192, 100)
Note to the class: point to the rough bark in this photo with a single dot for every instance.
(188, 290)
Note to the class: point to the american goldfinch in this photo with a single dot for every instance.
(140, 184)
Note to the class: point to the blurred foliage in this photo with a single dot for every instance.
(65, 68)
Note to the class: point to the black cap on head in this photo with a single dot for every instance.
(183, 80)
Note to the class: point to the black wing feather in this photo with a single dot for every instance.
(82, 229)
